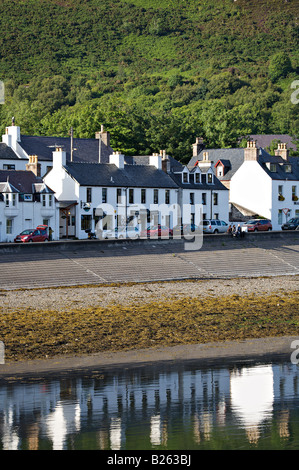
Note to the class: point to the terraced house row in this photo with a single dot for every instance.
(70, 183)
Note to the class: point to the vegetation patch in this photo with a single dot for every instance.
(31, 334)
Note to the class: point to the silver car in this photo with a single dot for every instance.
(214, 226)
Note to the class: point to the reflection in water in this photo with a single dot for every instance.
(178, 407)
(252, 397)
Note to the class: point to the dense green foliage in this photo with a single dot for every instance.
(157, 74)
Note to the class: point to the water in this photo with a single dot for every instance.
(159, 407)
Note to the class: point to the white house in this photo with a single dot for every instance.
(25, 202)
(259, 184)
(199, 187)
(119, 191)
(267, 185)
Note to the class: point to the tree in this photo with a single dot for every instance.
(280, 66)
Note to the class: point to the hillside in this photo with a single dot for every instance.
(157, 74)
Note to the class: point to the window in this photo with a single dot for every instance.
(131, 196)
(118, 195)
(294, 193)
(280, 193)
(216, 216)
(215, 199)
(156, 196)
(6, 200)
(280, 216)
(27, 197)
(104, 195)
(9, 167)
(185, 177)
(88, 194)
(50, 200)
(197, 177)
(14, 200)
(273, 167)
(288, 168)
(191, 198)
(210, 178)
(85, 222)
(143, 196)
(219, 171)
(9, 226)
(204, 199)
(167, 196)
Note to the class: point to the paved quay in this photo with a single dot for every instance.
(94, 262)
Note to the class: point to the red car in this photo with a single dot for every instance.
(40, 234)
(156, 231)
(257, 225)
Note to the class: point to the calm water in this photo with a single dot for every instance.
(177, 407)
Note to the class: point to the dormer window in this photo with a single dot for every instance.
(185, 177)
(219, 171)
(288, 168)
(210, 178)
(197, 177)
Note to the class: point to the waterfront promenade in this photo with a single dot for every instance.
(94, 262)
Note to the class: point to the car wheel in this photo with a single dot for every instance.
(255, 230)
(46, 240)
(215, 231)
(269, 229)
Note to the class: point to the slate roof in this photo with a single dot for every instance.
(23, 181)
(106, 174)
(7, 153)
(234, 157)
(264, 140)
(85, 150)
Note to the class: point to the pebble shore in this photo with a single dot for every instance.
(68, 298)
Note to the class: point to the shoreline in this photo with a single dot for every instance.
(209, 354)
(229, 318)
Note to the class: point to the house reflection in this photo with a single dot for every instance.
(151, 406)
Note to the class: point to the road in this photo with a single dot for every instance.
(106, 262)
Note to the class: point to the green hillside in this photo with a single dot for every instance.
(157, 74)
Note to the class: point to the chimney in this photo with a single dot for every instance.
(156, 160)
(33, 165)
(117, 159)
(12, 135)
(59, 158)
(282, 151)
(251, 153)
(165, 162)
(198, 146)
(104, 136)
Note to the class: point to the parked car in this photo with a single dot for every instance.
(214, 226)
(40, 234)
(129, 232)
(156, 231)
(291, 224)
(121, 232)
(186, 229)
(257, 225)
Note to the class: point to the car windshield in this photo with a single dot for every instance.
(251, 222)
(26, 232)
(292, 221)
(205, 222)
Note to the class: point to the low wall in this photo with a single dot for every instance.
(216, 240)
